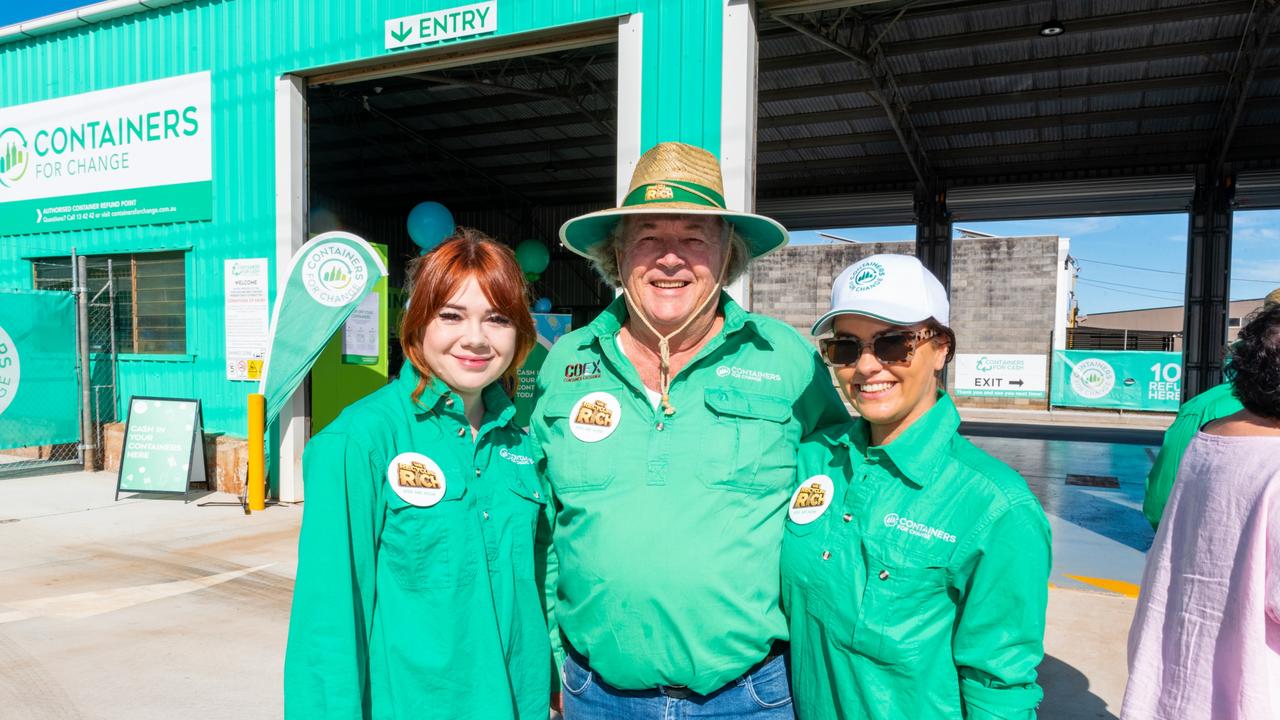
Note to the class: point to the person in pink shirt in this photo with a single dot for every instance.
(1205, 640)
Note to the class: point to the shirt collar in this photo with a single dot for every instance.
(498, 409)
(609, 322)
(917, 451)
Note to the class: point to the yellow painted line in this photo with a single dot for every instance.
(1118, 587)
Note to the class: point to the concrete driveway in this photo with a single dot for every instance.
(151, 608)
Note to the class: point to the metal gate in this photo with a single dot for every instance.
(57, 367)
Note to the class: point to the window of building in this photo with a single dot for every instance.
(1233, 322)
(140, 298)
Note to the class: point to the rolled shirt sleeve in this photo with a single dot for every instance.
(326, 660)
(999, 636)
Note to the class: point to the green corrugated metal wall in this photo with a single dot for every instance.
(247, 44)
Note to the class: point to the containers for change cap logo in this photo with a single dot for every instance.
(867, 276)
(334, 274)
(14, 157)
(10, 370)
(1092, 378)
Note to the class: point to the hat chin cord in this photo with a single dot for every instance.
(664, 341)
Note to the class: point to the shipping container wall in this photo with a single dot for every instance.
(247, 45)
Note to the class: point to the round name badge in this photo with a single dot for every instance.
(416, 478)
(811, 499)
(595, 417)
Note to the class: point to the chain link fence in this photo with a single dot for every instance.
(96, 344)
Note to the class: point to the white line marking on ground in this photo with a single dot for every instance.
(83, 605)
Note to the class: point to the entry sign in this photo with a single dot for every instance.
(431, 27)
(1011, 376)
(163, 448)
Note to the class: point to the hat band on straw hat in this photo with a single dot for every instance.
(666, 191)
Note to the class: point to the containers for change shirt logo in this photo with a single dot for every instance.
(811, 499)
(595, 417)
(334, 274)
(10, 370)
(867, 276)
(416, 478)
(1092, 378)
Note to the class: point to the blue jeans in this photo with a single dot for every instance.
(761, 695)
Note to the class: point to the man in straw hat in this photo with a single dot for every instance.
(1216, 402)
(669, 427)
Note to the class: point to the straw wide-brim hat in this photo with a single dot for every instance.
(674, 179)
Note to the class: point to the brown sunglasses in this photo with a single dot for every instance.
(895, 347)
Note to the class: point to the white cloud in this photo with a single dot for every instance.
(1255, 234)
(1077, 227)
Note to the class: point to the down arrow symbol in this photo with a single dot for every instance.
(404, 32)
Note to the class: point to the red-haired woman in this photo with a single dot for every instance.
(416, 594)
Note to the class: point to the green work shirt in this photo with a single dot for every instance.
(668, 527)
(1216, 402)
(409, 603)
(920, 589)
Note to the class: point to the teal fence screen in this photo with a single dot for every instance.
(1125, 380)
(39, 402)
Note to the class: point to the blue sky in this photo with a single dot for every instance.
(15, 11)
(1127, 262)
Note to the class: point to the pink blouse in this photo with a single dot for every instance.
(1205, 640)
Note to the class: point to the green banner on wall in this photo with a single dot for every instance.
(330, 275)
(1120, 380)
(39, 392)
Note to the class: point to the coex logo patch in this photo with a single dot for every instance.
(334, 274)
(811, 499)
(10, 370)
(590, 370)
(595, 417)
(867, 276)
(416, 479)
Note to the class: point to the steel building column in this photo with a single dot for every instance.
(933, 232)
(1204, 329)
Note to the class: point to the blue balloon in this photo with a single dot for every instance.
(429, 223)
(542, 305)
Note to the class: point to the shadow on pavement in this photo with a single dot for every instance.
(1066, 694)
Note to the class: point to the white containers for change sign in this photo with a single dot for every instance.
(1013, 376)
(132, 155)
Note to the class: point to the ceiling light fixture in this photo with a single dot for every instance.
(1052, 28)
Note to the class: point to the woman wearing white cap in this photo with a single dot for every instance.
(915, 566)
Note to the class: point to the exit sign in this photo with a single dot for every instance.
(432, 27)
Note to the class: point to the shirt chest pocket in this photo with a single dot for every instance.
(525, 508)
(428, 548)
(747, 448)
(575, 464)
(905, 609)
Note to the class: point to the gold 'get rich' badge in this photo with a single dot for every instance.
(658, 192)
(811, 499)
(595, 417)
(416, 479)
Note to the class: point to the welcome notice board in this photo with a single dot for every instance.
(163, 449)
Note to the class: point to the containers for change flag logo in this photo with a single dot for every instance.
(334, 274)
(14, 156)
(867, 276)
(10, 370)
(1092, 378)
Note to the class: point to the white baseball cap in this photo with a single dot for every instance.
(896, 289)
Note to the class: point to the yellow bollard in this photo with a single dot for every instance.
(257, 490)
